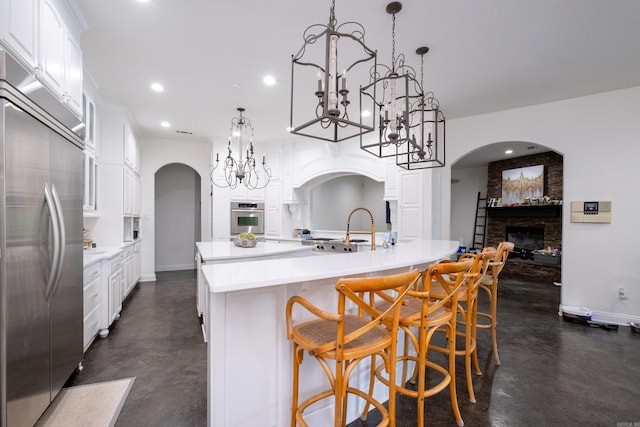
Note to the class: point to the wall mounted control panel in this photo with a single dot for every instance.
(596, 212)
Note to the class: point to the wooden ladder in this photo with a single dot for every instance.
(480, 225)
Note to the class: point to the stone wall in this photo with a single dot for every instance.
(496, 226)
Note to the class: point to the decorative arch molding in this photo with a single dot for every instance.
(493, 151)
(325, 168)
(155, 172)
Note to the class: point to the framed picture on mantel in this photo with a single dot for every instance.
(522, 185)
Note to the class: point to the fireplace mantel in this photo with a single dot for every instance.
(525, 211)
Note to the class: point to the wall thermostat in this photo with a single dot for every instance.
(596, 211)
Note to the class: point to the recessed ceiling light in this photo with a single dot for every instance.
(269, 80)
(144, 1)
(508, 151)
(165, 124)
(157, 87)
(366, 113)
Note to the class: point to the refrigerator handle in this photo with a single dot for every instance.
(62, 242)
(55, 261)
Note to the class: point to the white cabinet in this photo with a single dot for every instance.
(52, 47)
(60, 65)
(89, 119)
(73, 74)
(130, 154)
(130, 278)
(131, 192)
(137, 260)
(115, 292)
(92, 303)
(273, 209)
(19, 29)
(410, 207)
(90, 173)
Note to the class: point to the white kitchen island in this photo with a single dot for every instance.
(249, 356)
(227, 252)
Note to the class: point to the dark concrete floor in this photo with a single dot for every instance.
(159, 341)
(553, 372)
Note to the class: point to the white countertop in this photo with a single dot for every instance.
(263, 273)
(227, 251)
(91, 256)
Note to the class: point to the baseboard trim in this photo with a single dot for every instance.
(175, 267)
(147, 278)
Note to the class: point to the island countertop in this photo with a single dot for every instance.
(228, 277)
(228, 252)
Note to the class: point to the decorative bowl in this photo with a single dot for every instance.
(244, 243)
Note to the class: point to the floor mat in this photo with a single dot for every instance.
(90, 405)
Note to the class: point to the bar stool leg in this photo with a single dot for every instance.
(298, 354)
(494, 322)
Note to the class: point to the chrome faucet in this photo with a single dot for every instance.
(372, 232)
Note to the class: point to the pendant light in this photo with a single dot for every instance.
(319, 77)
(244, 170)
(426, 146)
(395, 92)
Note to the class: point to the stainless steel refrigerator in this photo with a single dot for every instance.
(41, 301)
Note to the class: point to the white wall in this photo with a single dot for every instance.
(177, 217)
(464, 195)
(333, 201)
(598, 137)
(154, 155)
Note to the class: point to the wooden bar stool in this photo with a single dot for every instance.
(347, 339)
(423, 315)
(467, 314)
(489, 284)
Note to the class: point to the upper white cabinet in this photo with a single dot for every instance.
(411, 207)
(52, 47)
(36, 32)
(130, 154)
(73, 74)
(90, 173)
(19, 29)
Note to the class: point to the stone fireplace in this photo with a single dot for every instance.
(528, 227)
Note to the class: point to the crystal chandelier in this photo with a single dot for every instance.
(396, 94)
(427, 149)
(243, 170)
(314, 63)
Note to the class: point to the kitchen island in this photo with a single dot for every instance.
(222, 252)
(249, 356)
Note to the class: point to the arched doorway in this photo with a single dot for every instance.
(177, 217)
(538, 228)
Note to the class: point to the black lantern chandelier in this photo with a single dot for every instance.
(396, 93)
(332, 118)
(426, 147)
(243, 170)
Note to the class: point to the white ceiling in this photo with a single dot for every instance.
(485, 56)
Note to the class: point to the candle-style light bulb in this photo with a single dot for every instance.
(344, 78)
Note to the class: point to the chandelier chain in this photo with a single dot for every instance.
(393, 43)
(422, 73)
(332, 14)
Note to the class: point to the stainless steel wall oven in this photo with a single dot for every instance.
(247, 217)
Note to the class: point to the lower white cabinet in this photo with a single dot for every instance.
(92, 303)
(115, 292)
(107, 282)
(129, 269)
